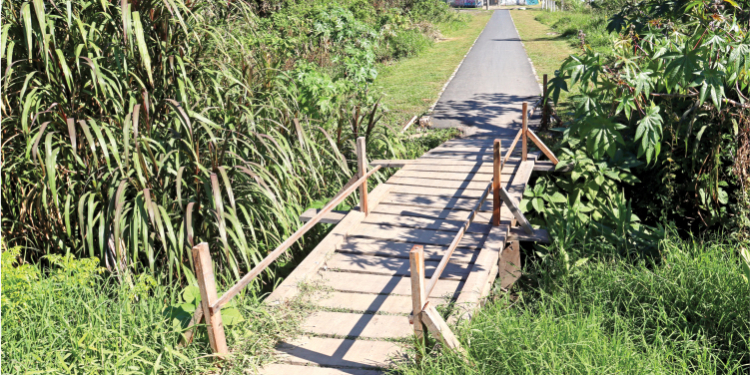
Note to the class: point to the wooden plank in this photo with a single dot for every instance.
(306, 269)
(375, 265)
(548, 166)
(204, 273)
(333, 217)
(371, 303)
(436, 212)
(518, 234)
(449, 203)
(417, 236)
(471, 293)
(285, 369)
(381, 284)
(325, 351)
(425, 223)
(474, 184)
(451, 176)
(543, 147)
(439, 328)
(509, 266)
(366, 246)
(418, 292)
(484, 168)
(357, 325)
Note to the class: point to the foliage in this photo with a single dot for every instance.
(136, 130)
(669, 97)
(686, 314)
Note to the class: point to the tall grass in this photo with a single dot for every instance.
(135, 129)
(688, 313)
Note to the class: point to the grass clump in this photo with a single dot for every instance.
(686, 312)
(71, 318)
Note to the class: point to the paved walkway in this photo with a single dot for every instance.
(493, 81)
(360, 323)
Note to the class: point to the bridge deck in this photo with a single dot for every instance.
(360, 324)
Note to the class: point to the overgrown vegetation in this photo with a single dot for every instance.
(663, 118)
(133, 131)
(685, 313)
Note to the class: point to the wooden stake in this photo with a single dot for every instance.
(524, 127)
(440, 329)
(497, 167)
(545, 119)
(204, 272)
(362, 162)
(542, 147)
(516, 211)
(418, 297)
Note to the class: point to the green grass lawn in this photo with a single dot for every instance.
(411, 85)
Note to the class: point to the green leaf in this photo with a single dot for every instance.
(231, 315)
(191, 294)
(142, 47)
(745, 254)
(649, 131)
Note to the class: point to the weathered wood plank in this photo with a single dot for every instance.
(286, 369)
(357, 325)
(476, 184)
(325, 351)
(361, 302)
(437, 212)
(548, 166)
(380, 284)
(366, 246)
(375, 265)
(333, 217)
(518, 234)
(425, 223)
(417, 236)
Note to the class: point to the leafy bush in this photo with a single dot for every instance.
(133, 132)
(669, 104)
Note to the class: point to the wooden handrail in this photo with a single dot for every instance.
(233, 291)
(454, 244)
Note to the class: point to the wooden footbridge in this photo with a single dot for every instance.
(441, 230)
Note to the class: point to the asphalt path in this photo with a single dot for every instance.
(495, 78)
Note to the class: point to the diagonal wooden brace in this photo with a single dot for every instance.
(542, 146)
(516, 211)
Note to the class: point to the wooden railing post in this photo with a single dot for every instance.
(545, 116)
(418, 297)
(362, 163)
(204, 272)
(497, 167)
(524, 127)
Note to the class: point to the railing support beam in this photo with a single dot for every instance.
(497, 167)
(204, 273)
(418, 294)
(524, 128)
(362, 164)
